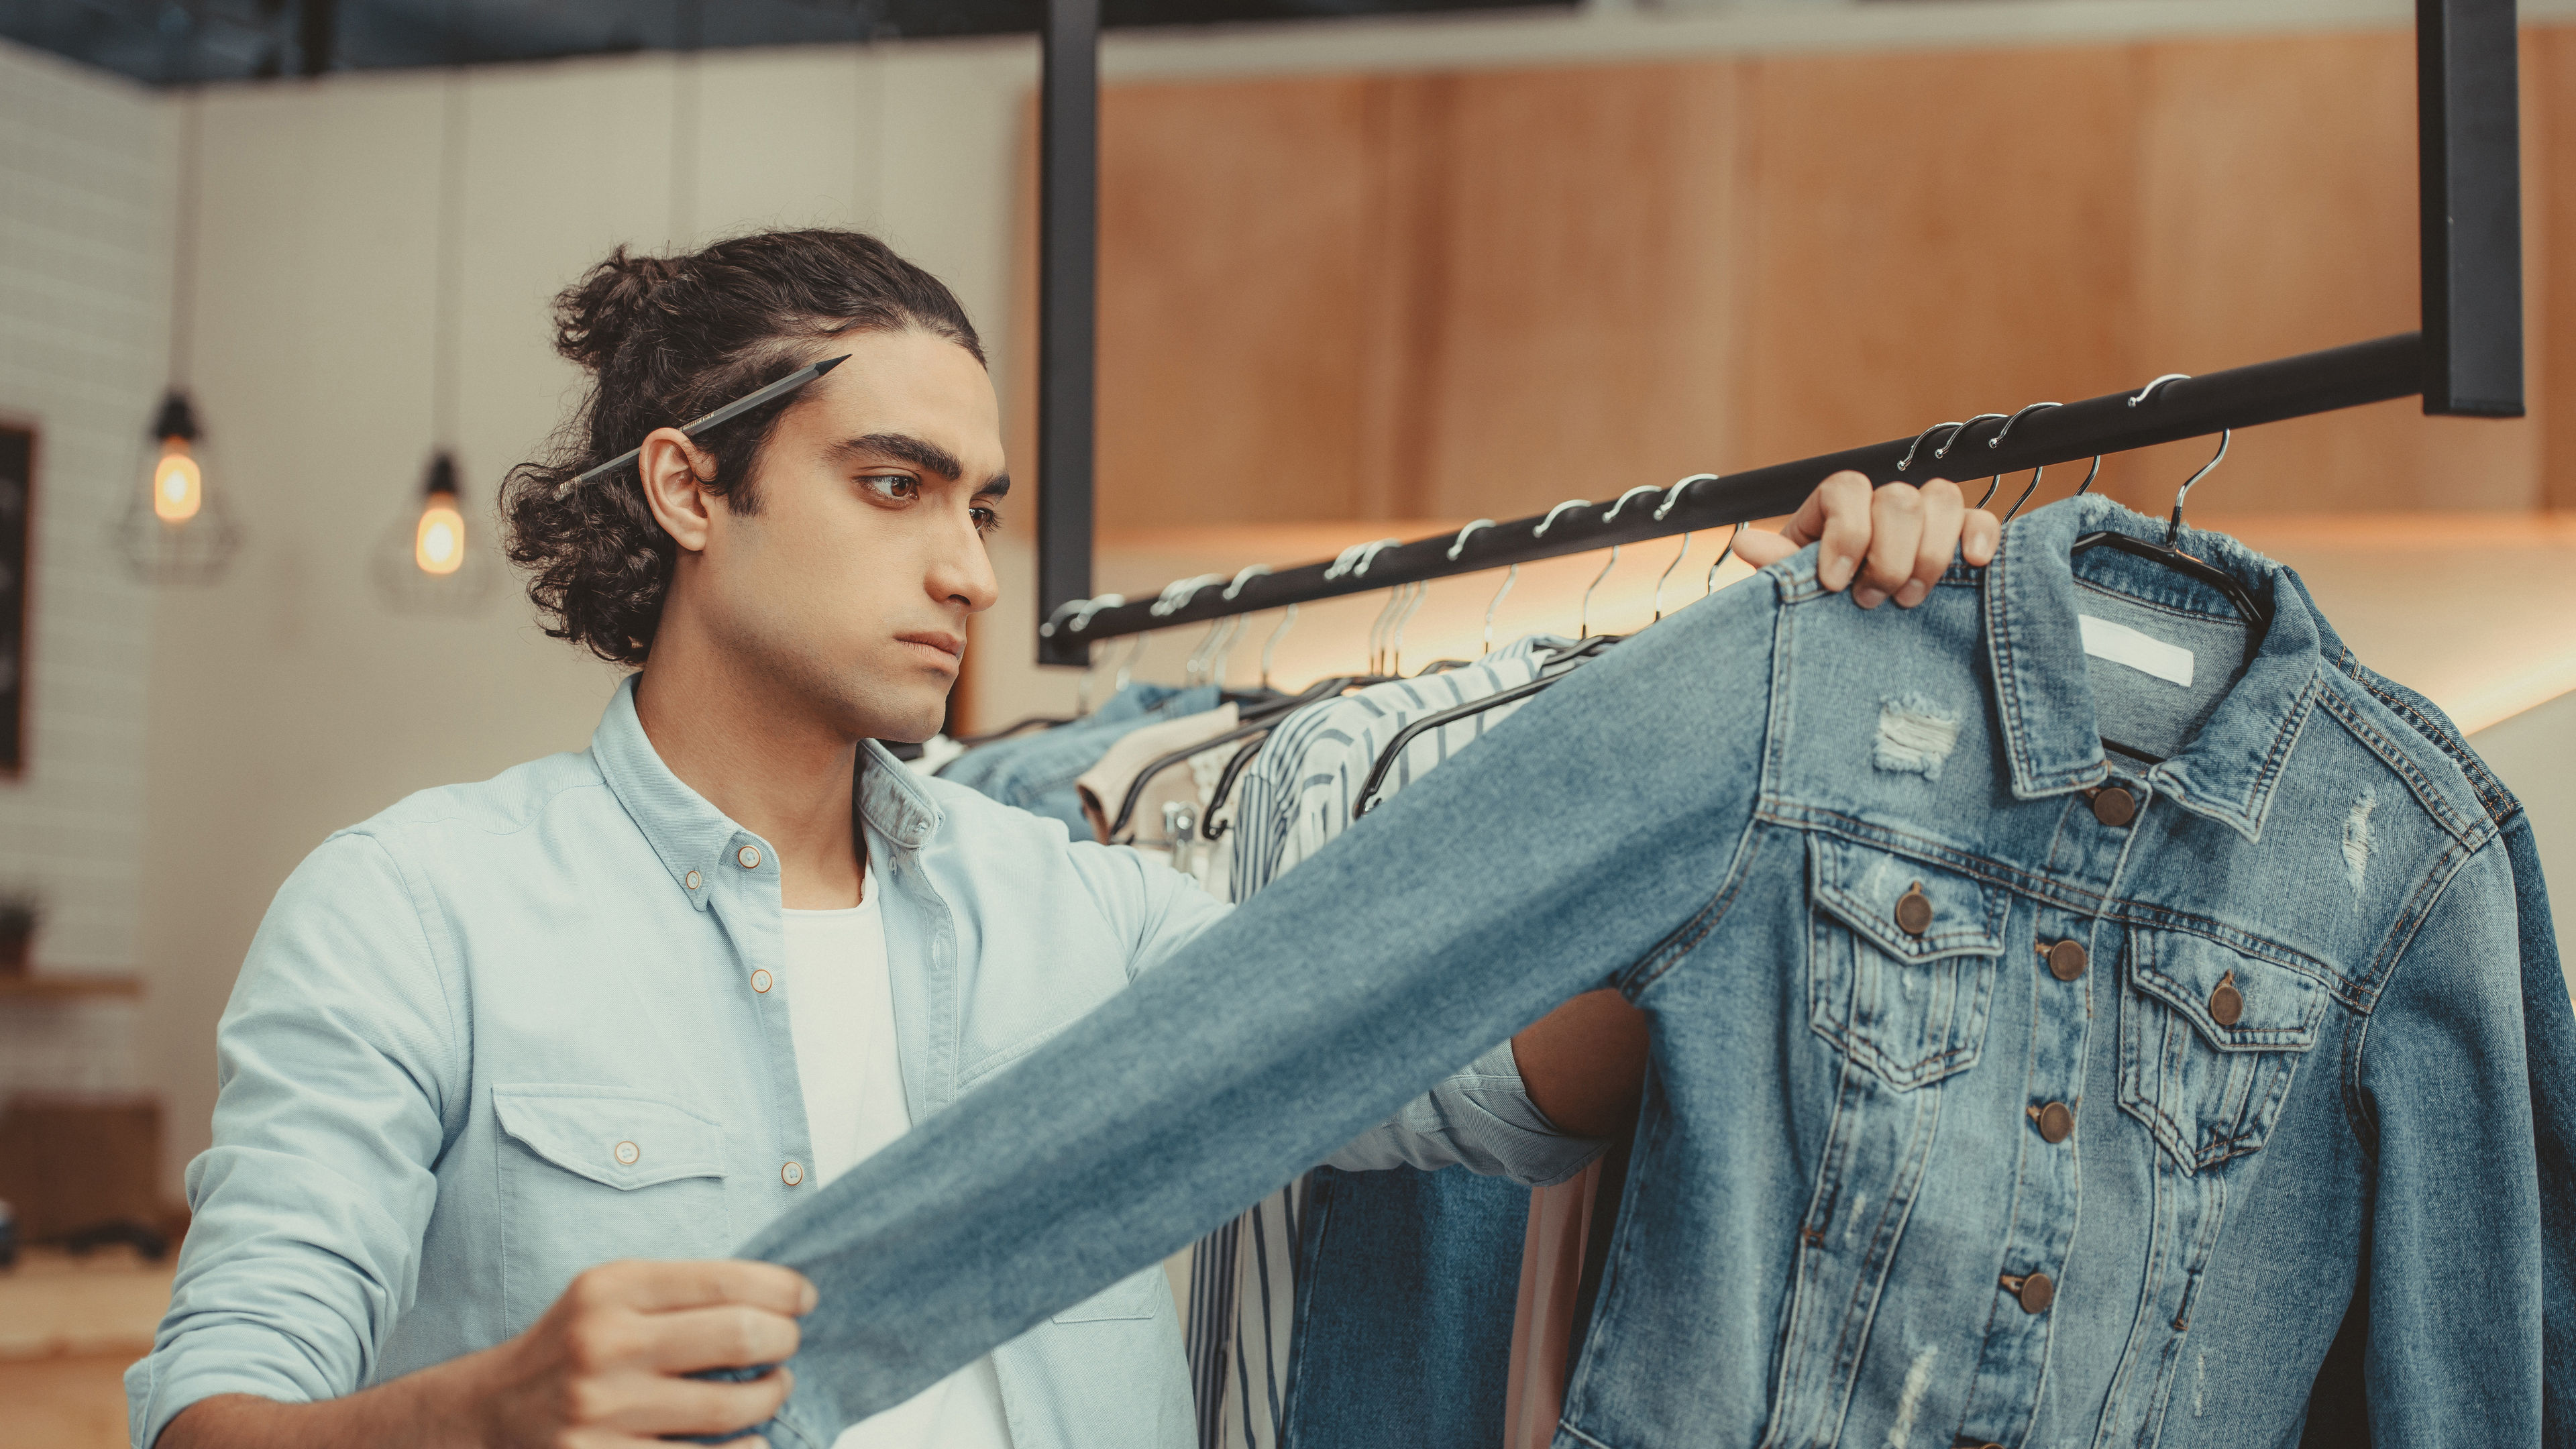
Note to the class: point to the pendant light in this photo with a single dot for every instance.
(429, 560)
(174, 528)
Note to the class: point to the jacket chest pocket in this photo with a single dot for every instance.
(592, 1174)
(2209, 1042)
(1900, 961)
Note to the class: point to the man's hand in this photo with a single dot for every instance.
(602, 1370)
(1898, 538)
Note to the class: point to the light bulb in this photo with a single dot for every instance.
(438, 545)
(178, 489)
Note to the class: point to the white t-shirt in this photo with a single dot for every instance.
(841, 1015)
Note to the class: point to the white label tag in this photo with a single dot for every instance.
(2142, 652)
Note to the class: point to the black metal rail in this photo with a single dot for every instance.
(2466, 361)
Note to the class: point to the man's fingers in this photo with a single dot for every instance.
(1978, 537)
(1896, 532)
(662, 1287)
(729, 1335)
(697, 1406)
(1943, 509)
(1761, 548)
(1838, 517)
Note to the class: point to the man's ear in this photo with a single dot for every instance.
(675, 472)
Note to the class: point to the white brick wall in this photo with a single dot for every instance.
(85, 188)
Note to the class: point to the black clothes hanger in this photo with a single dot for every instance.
(2258, 620)
(1555, 666)
(1035, 721)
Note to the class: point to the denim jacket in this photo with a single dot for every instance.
(504, 1032)
(2004, 1090)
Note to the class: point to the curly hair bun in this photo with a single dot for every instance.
(596, 315)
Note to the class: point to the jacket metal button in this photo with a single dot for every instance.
(748, 857)
(2226, 1003)
(2034, 1293)
(627, 1152)
(792, 1174)
(2114, 806)
(2066, 959)
(1914, 910)
(693, 880)
(2056, 1121)
(760, 981)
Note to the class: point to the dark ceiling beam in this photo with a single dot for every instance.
(316, 29)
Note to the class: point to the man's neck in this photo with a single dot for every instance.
(770, 767)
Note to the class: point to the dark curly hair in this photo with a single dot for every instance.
(666, 339)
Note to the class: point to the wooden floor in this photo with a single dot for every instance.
(68, 1328)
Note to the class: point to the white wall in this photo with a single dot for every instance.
(84, 280)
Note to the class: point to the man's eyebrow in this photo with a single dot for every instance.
(910, 449)
(998, 486)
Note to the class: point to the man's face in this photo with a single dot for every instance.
(851, 585)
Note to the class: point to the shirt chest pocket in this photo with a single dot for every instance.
(1900, 961)
(592, 1174)
(2209, 1042)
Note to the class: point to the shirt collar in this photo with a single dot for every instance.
(2045, 700)
(695, 840)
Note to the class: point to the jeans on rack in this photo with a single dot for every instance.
(1915, 950)
(1037, 772)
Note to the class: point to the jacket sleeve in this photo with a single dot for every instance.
(1480, 1116)
(2549, 1036)
(336, 1063)
(1433, 929)
(2459, 1253)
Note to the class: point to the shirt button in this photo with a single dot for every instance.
(2226, 1003)
(2034, 1293)
(2055, 1121)
(693, 880)
(760, 981)
(1914, 910)
(2066, 959)
(627, 1152)
(2114, 806)
(791, 1174)
(748, 857)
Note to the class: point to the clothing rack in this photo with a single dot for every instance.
(2466, 361)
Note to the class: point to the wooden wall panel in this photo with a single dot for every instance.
(1933, 236)
(2278, 200)
(1479, 292)
(1234, 230)
(2549, 221)
(1582, 284)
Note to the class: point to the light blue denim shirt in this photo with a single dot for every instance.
(507, 1031)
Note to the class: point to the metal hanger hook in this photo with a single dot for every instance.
(2035, 475)
(2005, 431)
(1395, 642)
(1723, 555)
(1952, 441)
(2173, 532)
(1234, 590)
(1497, 602)
(1673, 494)
(1272, 647)
(1550, 521)
(1178, 593)
(1908, 460)
(1583, 619)
(1357, 558)
(1613, 515)
(1668, 573)
(2149, 391)
(1460, 546)
(1127, 667)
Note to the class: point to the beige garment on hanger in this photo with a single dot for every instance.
(1104, 786)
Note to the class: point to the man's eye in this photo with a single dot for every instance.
(893, 487)
(987, 521)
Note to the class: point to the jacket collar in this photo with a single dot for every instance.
(2044, 699)
(692, 837)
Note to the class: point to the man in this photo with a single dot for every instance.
(513, 1065)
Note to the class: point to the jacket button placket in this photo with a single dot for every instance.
(2071, 950)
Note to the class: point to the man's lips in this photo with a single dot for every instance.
(947, 644)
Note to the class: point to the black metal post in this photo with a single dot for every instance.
(2471, 166)
(1068, 244)
(2289, 387)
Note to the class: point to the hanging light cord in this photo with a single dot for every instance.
(183, 266)
(449, 323)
